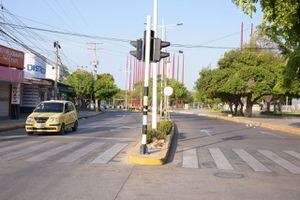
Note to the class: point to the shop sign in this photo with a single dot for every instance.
(35, 67)
(15, 94)
(11, 58)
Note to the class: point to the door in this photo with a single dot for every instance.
(73, 114)
(4, 99)
(67, 116)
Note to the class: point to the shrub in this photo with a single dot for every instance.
(164, 128)
(150, 134)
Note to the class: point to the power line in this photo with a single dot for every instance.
(66, 33)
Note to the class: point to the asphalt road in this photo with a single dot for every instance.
(209, 159)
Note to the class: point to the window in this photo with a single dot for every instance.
(49, 107)
(66, 108)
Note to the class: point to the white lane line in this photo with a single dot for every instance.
(47, 154)
(251, 161)
(121, 139)
(190, 159)
(110, 153)
(219, 158)
(8, 148)
(22, 152)
(81, 152)
(206, 132)
(280, 161)
(274, 135)
(293, 153)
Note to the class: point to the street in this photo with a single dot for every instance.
(209, 159)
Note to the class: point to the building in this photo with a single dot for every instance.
(39, 82)
(11, 77)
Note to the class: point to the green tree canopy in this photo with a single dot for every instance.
(82, 81)
(104, 87)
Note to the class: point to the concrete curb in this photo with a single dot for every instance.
(286, 129)
(158, 159)
(22, 125)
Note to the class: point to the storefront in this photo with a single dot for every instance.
(11, 76)
(34, 88)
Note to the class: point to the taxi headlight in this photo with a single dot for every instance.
(53, 120)
(29, 120)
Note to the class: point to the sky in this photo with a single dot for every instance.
(204, 22)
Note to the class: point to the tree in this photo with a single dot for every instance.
(180, 91)
(281, 22)
(104, 87)
(82, 81)
(243, 77)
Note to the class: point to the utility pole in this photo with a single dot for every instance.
(126, 84)
(57, 47)
(242, 35)
(95, 63)
(163, 80)
(143, 148)
(183, 68)
(154, 68)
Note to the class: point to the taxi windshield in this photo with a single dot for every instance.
(49, 107)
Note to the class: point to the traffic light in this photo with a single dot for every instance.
(138, 53)
(158, 45)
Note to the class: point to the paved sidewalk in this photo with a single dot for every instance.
(10, 124)
(287, 124)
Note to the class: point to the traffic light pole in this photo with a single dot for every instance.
(154, 68)
(143, 148)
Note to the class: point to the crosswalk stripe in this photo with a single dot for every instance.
(251, 161)
(110, 153)
(54, 151)
(293, 153)
(219, 158)
(25, 151)
(280, 161)
(8, 148)
(81, 152)
(190, 159)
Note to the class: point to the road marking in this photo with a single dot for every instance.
(190, 159)
(251, 161)
(206, 132)
(81, 152)
(293, 153)
(219, 158)
(22, 152)
(280, 161)
(47, 154)
(17, 146)
(93, 137)
(110, 153)
(274, 135)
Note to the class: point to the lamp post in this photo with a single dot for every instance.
(164, 62)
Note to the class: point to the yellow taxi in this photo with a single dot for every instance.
(53, 116)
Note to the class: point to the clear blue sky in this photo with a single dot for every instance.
(203, 21)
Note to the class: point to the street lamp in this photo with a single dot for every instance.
(163, 77)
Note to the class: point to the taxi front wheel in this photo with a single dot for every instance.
(62, 129)
(29, 133)
(74, 128)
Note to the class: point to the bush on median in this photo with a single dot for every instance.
(164, 128)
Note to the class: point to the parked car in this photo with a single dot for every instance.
(103, 106)
(53, 116)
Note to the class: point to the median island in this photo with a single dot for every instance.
(158, 144)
